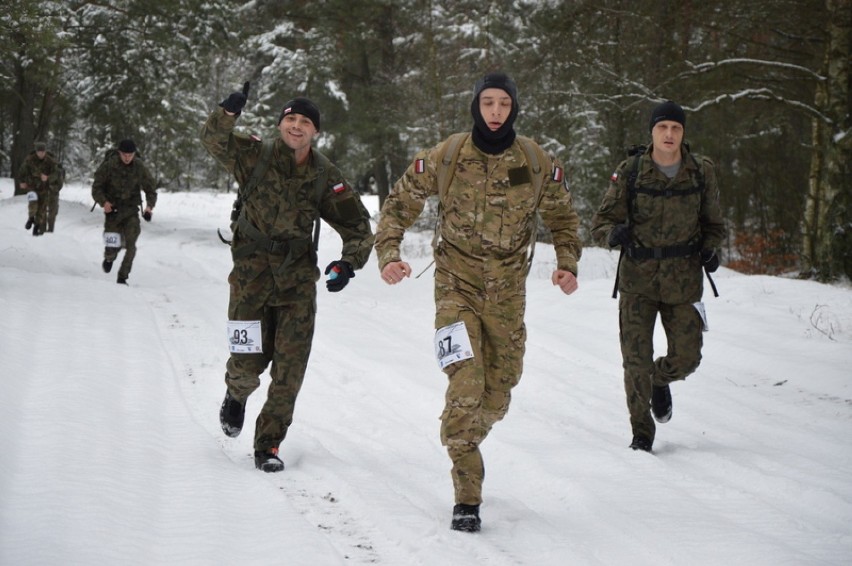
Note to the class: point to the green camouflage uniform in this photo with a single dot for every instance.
(480, 278)
(53, 199)
(122, 185)
(30, 173)
(668, 286)
(275, 265)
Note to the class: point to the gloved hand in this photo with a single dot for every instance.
(236, 101)
(340, 274)
(147, 215)
(709, 260)
(619, 236)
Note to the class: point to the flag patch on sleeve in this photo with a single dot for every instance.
(419, 166)
(614, 176)
(557, 174)
(338, 188)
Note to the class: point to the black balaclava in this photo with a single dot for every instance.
(483, 138)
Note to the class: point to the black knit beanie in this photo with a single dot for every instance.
(303, 106)
(502, 139)
(127, 146)
(668, 110)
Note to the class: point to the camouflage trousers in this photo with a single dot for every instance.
(37, 209)
(129, 228)
(637, 319)
(287, 331)
(52, 209)
(479, 389)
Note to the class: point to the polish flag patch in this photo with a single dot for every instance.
(255, 137)
(614, 176)
(557, 174)
(420, 166)
(338, 188)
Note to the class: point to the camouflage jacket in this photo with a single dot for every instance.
(283, 207)
(680, 217)
(487, 221)
(123, 185)
(33, 168)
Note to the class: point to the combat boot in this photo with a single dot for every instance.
(466, 518)
(37, 231)
(641, 443)
(121, 280)
(661, 403)
(106, 265)
(231, 416)
(30, 222)
(268, 461)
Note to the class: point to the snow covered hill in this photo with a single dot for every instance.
(111, 451)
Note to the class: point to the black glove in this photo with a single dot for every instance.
(619, 236)
(236, 101)
(341, 273)
(147, 216)
(709, 260)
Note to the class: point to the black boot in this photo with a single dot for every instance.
(231, 416)
(268, 461)
(37, 231)
(466, 518)
(30, 222)
(661, 403)
(641, 443)
(106, 265)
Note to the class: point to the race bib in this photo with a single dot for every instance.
(452, 344)
(32, 196)
(244, 337)
(112, 239)
(699, 306)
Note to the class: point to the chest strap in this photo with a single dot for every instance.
(292, 249)
(664, 252)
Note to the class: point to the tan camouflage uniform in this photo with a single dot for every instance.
(122, 185)
(30, 173)
(669, 286)
(278, 287)
(480, 278)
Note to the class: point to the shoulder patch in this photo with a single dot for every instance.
(255, 137)
(558, 174)
(614, 176)
(339, 187)
(419, 165)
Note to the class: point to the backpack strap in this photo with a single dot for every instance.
(448, 156)
(259, 170)
(535, 156)
(320, 186)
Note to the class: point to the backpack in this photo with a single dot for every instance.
(698, 186)
(448, 156)
(259, 172)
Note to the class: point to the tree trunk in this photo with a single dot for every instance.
(828, 238)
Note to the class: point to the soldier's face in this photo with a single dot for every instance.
(126, 158)
(495, 105)
(40, 154)
(667, 137)
(297, 131)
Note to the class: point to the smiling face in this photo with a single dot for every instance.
(297, 131)
(667, 136)
(495, 105)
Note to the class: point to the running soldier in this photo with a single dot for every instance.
(40, 176)
(272, 303)
(662, 210)
(118, 186)
(487, 220)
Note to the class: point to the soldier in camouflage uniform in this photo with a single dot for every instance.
(487, 221)
(118, 184)
(39, 176)
(273, 281)
(668, 227)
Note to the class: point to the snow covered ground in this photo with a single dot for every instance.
(111, 451)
